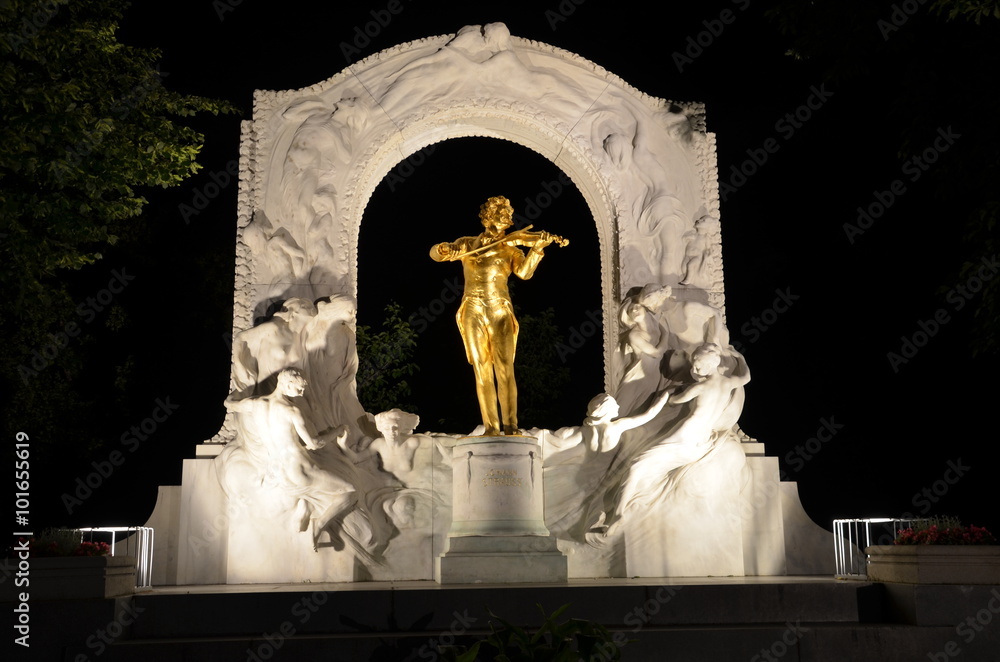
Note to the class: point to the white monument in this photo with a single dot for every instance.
(658, 480)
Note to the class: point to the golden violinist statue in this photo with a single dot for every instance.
(486, 316)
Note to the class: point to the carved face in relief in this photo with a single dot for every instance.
(297, 312)
(338, 307)
(636, 312)
(396, 425)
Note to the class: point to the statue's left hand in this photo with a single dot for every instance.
(543, 240)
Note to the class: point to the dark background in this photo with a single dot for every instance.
(822, 361)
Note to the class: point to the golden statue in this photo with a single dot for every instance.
(486, 316)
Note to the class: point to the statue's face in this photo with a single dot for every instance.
(304, 150)
(636, 311)
(390, 430)
(296, 307)
(505, 216)
(501, 219)
(497, 214)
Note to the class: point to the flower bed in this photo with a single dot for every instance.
(937, 551)
(934, 564)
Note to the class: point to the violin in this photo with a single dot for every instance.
(523, 236)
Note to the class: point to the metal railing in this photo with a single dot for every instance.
(852, 536)
(137, 542)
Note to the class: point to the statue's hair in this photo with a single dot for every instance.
(489, 208)
(289, 373)
(706, 349)
(294, 305)
(407, 421)
(600, 406)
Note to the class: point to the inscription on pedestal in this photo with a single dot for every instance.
(499, 491)
(501, 478)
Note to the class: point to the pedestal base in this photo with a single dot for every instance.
(498, 532)
(501, 560)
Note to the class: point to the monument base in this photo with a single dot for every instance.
(501, 560)
(498, 533)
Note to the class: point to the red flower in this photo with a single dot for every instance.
(922, 534)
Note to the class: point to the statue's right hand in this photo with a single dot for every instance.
(441, 252)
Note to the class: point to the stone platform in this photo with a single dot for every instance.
(498, 532)
(814, 619)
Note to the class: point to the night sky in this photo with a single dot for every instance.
(816, 309)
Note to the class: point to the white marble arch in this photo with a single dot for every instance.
(309, 162)
(311, 158)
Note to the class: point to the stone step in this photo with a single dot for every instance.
(800, 641)
(801, 619)
(437, 608)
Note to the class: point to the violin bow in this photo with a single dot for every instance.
(508, 237)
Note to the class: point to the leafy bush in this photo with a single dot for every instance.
(574, 639)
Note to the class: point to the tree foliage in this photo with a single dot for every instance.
(86, 123)
(553, 641)
(541, 374)
(385, 360)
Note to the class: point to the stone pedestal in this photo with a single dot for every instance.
(498, 532)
